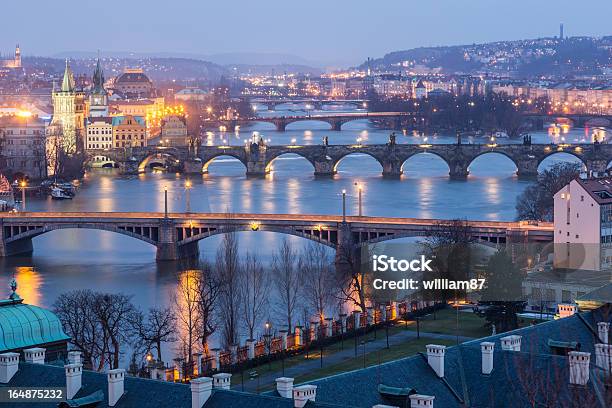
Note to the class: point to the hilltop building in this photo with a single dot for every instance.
(13, 63)
(133, 83)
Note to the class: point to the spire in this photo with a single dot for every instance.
(98, 78)
(68, 81)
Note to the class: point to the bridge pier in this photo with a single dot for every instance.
(128, 167)
(527, 168)
(392, 168)
(324, 168)
(348, 257)
(336, 125)
(20, 247)
(280, 125)
(458, 170)
(192, 166)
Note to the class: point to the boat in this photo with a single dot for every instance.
(60, 194)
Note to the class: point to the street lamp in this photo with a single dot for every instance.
(359, 190)
(187, 197)
(343, 205)
(23, 184)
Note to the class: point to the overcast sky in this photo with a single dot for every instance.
(321, 31)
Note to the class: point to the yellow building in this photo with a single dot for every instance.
(174, 131)
(129, 131)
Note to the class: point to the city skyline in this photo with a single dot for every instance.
(296, 31)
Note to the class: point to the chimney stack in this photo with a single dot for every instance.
(566, 310)
(420, 401)
(9, 364)
(603, 357)
(303, 394)
(74, 375)
(284, 387)
(487, 347)
(35, 355)
(435, 358)
(579, 367)
(74, 357)
(115, 385)
(511, 343)
(222, 381)
(201, 388)
(603, 328)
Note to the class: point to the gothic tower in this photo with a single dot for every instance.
(17, 57)
(68, 113)
(98, 99)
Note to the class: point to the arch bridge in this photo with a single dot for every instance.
(258, 158)
(176, 235)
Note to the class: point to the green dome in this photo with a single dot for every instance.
(23, 326)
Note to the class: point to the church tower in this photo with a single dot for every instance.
(17, 57)
(68, 113)
(98, 99)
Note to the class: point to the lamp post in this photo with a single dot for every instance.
(23, 186)
(165, 202)
(343, 205)
(187, 197)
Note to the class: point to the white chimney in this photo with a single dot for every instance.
(384, 406)
(115, 385)
(284, 386)
(603, 328)
(303, 394)
(487, 347)
(35, 355)
(222, 381)
(435, 358)
(74, 375)
(566, 310)
(511, 343)
(74, 357)
(420, 401)
(579, 367)
(603, 356)
(9, 364)
(201, 388)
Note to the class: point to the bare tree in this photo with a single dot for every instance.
(157, 327)
(285, 277)
(317, 269)
(227, 264)
(75, 311)
(350, 277)
(208, 284)
(255, 292)
(186, 307)
(113, 312)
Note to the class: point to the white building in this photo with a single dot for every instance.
(583, 224)
(99, 133)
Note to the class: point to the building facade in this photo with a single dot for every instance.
(14, 63)
(134, 83)
(23, 146)
(174, 131)
(99, 133)
(68, 121)
(129, 131)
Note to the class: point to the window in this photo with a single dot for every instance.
(581, 198)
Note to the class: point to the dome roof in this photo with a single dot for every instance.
(23, 326)
(132, 77)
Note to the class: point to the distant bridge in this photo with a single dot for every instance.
(272, 103)
(258, 158)
(335, 120)
(176, 235)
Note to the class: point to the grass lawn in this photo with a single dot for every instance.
(445, 322)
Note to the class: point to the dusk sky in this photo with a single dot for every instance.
(324, 32)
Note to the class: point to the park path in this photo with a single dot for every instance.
(306, 367)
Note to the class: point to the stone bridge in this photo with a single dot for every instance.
(272, 103)
(393, 119)
(258, 158)
(176, 235)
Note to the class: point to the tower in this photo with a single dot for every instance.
(98, 99)
(68, 113)
(561, 31)
(17, 57)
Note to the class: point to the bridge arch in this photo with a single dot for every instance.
(262, 124)
(339, 159)
(148, 234)
(290, 122)
(424, 155)
(206, 162)
(553, 153)
(492, 154)
(295, 153)
(163, 157)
